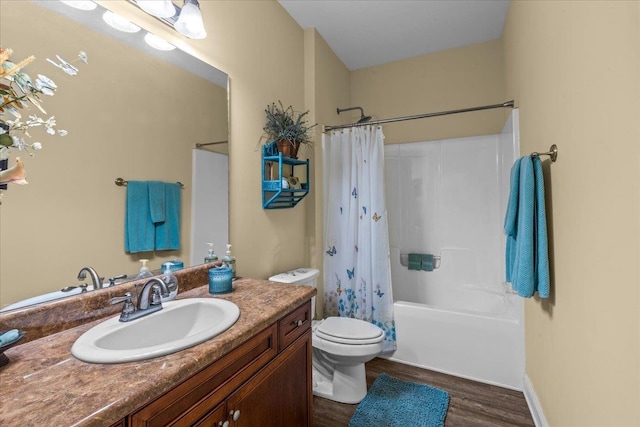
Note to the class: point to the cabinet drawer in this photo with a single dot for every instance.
(214, 418)
(195, 397)
(294, 325)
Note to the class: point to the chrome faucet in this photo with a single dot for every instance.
(155, 287)
(97, 281)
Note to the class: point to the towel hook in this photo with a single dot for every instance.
(552, 153)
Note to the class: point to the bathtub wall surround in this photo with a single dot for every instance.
(449, 200)
(41, 320)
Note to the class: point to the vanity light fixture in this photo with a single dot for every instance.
(119, 23)
(158, 8)
(186, 20)
(158, 42)
(81, 4)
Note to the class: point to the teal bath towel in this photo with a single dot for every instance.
(168, 232)
(139, 230)
(526, 255)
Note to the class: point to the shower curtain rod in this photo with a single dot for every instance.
(508, 104)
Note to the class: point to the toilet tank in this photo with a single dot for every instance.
(300, 276)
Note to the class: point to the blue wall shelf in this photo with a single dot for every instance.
(273, 195)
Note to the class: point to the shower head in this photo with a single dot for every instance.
(363, 118)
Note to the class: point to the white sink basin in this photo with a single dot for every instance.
(180, 324)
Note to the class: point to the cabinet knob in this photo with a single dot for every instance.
(223, 424)
(234, 414)
(299, 323)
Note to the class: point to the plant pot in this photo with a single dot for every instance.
(288, 148)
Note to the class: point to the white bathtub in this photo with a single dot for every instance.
(455, 327)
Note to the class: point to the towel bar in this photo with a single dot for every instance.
(552, 153)
(123, 183)
(404, 260)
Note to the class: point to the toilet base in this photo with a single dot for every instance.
(347, 385)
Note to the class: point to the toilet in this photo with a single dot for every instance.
(341, 347)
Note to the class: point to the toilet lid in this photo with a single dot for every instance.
(349, 331)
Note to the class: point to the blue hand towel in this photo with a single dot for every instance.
(157, 201)
(168, 233)
(526, 256)
(139, 230)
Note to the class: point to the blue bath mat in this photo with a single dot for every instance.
(392, 402)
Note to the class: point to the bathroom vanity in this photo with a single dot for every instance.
(258, 372)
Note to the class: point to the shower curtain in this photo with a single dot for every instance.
(357, 269)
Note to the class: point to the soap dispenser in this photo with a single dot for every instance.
(171, 281)
(144, 270)
(230, 261)
(211, 256)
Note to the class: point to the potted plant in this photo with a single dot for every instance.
(287, 128)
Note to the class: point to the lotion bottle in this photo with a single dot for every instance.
(211, 256)
(230, 261)
(144, 270)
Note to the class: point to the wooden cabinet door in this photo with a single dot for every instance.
(280, 394)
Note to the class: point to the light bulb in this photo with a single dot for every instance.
(190, 21)
(119, 23)
(81, 4)
(159, 8)
(158, 42)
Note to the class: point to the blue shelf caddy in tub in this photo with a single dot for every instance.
(274, 196)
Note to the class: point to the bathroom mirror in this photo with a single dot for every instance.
(130, 113)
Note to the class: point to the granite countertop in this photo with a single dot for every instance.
(45, 385)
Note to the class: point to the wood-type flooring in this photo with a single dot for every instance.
(471, 403)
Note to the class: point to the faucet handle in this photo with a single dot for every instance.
(126, 298)
(128, 307)
(155, 296)
(112, 280)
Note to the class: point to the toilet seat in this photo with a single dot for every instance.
(349, 331)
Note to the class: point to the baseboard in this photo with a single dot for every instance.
(534, 404)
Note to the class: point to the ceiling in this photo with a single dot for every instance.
(365, 33)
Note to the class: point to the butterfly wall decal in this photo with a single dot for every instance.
(332, 251)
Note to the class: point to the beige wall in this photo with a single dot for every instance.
(261, 48)
(126, 118)
(574, 69)
(453, 79)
